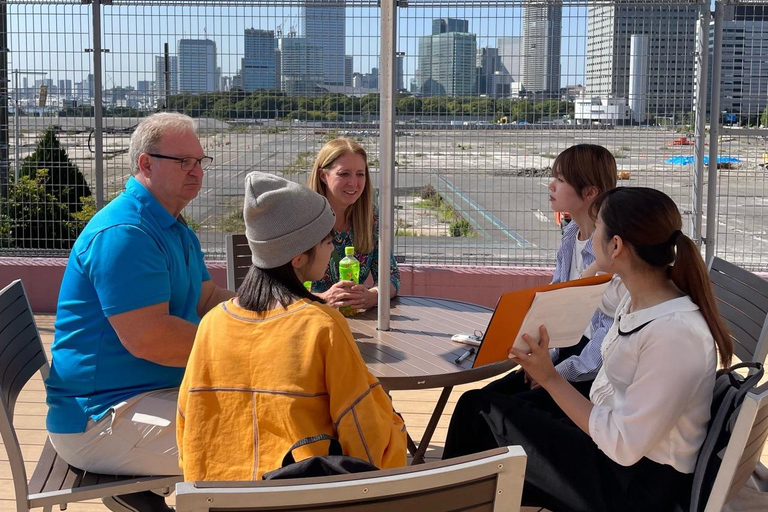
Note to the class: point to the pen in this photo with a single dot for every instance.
(465, 355)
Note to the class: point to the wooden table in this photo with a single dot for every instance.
(417, 351)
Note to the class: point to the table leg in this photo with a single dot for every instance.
(418, 456)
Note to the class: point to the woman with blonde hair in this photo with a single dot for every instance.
(341, 174)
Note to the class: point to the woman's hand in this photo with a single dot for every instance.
(347, 293)
(537, 364)
(336, 295)
(360, 297)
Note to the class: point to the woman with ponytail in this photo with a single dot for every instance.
(633, 445)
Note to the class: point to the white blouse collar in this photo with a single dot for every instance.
(628, 322)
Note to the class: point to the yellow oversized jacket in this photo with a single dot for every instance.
(256, 383)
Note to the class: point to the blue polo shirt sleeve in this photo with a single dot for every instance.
(135, 273)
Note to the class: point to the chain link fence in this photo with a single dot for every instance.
(487, 93)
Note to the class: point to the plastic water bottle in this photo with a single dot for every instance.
(349, 270)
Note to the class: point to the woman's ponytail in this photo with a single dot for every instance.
(690, 275)
(650, 222)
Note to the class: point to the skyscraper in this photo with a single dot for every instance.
(173, 69)
(324, 26)
(743, 73)
(492, 77)
(301, 65)
(672, 34)
(258, 65)
(446, 62)
(445, 25)
(349, 62)
(511, 55)
(197, 65)
(541, 31)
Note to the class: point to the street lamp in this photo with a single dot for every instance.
(17, 119)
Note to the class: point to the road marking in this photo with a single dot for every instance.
(490, 217)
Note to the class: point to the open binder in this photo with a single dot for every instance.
(511, 311)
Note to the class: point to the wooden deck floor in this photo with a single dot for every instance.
(415, 406)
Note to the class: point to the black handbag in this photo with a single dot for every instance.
(335, 463)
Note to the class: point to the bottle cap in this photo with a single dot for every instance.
(349, 250)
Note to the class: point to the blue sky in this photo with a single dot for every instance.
(52, 38)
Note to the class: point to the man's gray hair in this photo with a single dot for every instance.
(148, 133)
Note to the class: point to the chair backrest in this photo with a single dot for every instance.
(742, 300)
(21, 356)
(238, 260)
(488, 481)
(744, 449)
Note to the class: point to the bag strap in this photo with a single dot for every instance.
(334, 447)
(734, 394)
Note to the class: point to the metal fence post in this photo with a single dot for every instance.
(700, 129)
(98, 106)
(714, 132)
(5, 163)
(386, 153)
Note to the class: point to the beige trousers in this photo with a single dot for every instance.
(137, 437)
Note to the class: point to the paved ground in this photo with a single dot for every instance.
(496, 179)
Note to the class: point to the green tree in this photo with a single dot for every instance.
(764, 118)
(64, 180)
(31, 217)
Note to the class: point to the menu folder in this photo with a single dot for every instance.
(554, 310)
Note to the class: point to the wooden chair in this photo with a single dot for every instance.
(744, 448)
(742, 299)
(487, 481)
(54, 482)
(238, 260)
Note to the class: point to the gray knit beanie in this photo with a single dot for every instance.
(283, 219)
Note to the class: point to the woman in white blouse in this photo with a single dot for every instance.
(633, 445)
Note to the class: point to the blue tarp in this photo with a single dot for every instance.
(688, 160)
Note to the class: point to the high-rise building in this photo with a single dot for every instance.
(349, 62)
(173, 70)
(258, 65)
(324, 26)
(671, 31)
(445, 25)
(511, 55)
(399, 72)
(492, 77)
(743, 72)
(301, 65)
(65, 87)
(197, 66)
(446, 60)
(540, 65)
(144, 87)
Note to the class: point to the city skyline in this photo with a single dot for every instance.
(134, 41)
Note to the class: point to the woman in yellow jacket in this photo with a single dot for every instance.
(275, 364)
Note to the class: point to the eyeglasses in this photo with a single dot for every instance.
(187, 163)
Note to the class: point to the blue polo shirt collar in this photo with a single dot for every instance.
(153, 206)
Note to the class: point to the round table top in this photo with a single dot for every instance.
(417, 351)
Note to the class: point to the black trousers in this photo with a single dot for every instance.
(514, 383)
(566, 471)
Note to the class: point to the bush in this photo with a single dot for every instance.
(31, 217)
(64, 180)
(427, 191)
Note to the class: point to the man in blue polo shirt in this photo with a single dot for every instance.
(133, 293)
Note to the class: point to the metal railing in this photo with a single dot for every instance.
(462, 105)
